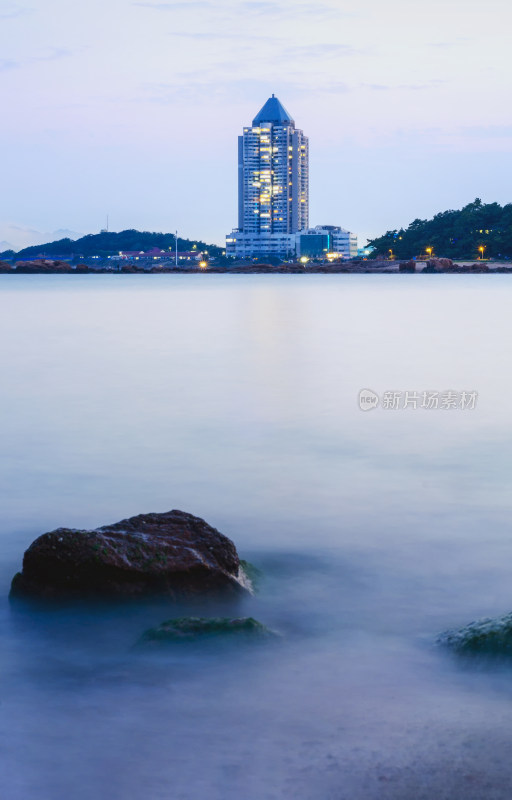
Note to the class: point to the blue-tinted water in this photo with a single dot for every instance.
(235, 398)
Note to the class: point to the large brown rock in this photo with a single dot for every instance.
(440, 264)
(175, 554)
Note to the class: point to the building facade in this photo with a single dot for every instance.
(251, 245)
(273, 194)
(273, 183)
(326, 241)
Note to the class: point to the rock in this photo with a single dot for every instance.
(486, 637)
(439, 265)
(175, 554)
(193, 629)
(43, 265)
(407, 266)
(5, 267)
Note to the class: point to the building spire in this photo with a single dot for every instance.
(273, 111)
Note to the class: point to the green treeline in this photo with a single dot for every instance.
(109, 243)
(453, 234)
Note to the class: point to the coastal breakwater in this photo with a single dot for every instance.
(433, 265)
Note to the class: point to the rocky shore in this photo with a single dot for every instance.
(433, 265)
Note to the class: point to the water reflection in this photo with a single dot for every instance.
(235, 398)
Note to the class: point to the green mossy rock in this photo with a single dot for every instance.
(484, 637)
(195, 629)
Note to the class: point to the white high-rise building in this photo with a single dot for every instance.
(273, 184)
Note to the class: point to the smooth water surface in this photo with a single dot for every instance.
(235, 398)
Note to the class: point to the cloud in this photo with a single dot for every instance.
(454, 43)
(11, 11)
(7, 64)
(20, 236)
(202, 85)
(413, 87)
(223, 36)
(281, 52)
(193, 4)
(295, 9)
(249, 7)
(336, 87)
(318, 51)
(51, 54)
(488, 131)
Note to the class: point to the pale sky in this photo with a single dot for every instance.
(133, 109)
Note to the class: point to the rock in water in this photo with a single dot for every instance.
(175, 554)
(486, 637)
(407, 266)
(193, 629)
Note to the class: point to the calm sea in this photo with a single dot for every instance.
(236, 398)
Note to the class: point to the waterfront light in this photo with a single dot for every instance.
(203, 264)
(481, 248)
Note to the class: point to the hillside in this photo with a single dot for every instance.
(109, 243)
(453, 234)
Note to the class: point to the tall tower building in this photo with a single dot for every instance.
(273, 168)
(273, 195)
(273, 183)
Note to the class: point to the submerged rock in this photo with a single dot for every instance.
(174, 554)
(487, 637)
(193, 629)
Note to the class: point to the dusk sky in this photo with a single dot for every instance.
(133, 109)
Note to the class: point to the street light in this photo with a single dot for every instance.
(481, 248)
(429, 251)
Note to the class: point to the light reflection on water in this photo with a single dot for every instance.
(234, 398)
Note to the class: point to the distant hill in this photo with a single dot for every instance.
(453, 234)
(109, 243)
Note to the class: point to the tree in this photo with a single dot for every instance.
(453, 234)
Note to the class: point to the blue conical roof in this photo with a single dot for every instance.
(273, 111)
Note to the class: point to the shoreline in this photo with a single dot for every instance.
(259, 271)
(434, 266)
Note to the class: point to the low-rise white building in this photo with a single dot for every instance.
(326, 240)
(251, 245)
(318, 243)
